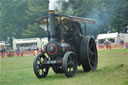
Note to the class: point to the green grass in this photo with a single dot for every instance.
(112, 70)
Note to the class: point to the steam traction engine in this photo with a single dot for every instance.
(68, 46)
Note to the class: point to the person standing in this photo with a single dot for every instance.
(17, 51)
(109, 45)
(106, 44)
(126, 45)
(3, 52)
(22, 51)
(122, 43)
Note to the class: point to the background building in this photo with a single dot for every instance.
(2, 45)
(44, 41)
(113, 37)
(27, 43)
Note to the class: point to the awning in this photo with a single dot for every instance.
(107, 36)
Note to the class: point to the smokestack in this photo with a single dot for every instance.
(52, 5)
(52, 25)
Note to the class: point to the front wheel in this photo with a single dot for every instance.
(69, 64)
(39, 69)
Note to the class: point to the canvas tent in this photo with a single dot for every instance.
(113, 37)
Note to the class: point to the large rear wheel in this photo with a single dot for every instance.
(88, 54)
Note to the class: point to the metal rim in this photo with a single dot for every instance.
(39, 69)
(70, 64)
(92, 53)
(88, 54)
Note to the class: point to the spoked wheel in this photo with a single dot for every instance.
(88, 54)
(39, 69)
(58, 69)
(69, 64)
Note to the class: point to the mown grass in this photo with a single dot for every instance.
(112, 70)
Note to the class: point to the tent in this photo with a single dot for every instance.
(113, 37)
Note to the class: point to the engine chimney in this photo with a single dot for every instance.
(52, 25)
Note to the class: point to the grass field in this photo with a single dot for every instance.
(112, 70)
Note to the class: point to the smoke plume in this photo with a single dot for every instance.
(56, 4)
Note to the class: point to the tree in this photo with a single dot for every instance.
(33, 30)
(19, 17)
(36, 10)
(110, 15)
(12, 18)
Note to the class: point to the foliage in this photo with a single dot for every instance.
(18, 16)
(34, 31)
(12, 18)
(110, 15)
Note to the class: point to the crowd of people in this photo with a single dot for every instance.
(29, 51)
(108, 45)
(18, 52)
(21, 51)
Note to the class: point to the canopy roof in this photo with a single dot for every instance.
(72, 18)
(107, 36)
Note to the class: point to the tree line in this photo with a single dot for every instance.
(18, 18)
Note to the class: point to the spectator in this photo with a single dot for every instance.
(109, 45)
(126, 45)
(122, 43)
(106, 44)
(3, 52)
(17, 51)
(22, 51)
